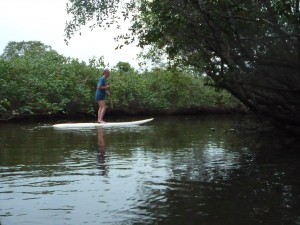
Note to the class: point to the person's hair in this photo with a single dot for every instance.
(105, 71)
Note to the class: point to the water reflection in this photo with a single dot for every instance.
(172, 172)
(101, 153)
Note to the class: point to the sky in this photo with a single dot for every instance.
(44, 21)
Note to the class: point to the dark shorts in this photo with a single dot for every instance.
(99, 96)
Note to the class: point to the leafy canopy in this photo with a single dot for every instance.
(248, 47)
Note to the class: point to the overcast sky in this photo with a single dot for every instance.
(44, 20)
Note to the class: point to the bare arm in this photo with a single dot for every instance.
(104, 88)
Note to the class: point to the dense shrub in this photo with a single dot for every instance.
(166, 91)
(36, 80)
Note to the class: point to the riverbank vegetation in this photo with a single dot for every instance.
(38, 81)
(249, 48)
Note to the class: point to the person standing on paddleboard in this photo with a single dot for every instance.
(102, 90)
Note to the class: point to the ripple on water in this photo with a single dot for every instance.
(158, 175)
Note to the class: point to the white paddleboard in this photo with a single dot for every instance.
(93, 125)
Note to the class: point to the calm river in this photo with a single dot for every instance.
(175, 170)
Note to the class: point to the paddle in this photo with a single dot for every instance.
(111, 101)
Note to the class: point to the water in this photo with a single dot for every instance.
(173, 170)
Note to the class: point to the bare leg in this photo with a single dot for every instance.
(101, 110)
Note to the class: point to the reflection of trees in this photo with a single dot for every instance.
(237, 201)
(43, 145)
(187, 174)
(220, 181)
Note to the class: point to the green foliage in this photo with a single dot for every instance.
(166, 91)
(36, 80)
(249, 48)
